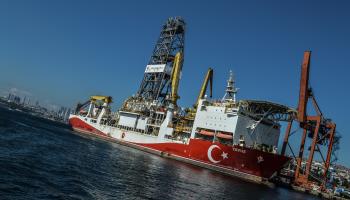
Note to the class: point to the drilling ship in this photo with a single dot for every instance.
(237, 138)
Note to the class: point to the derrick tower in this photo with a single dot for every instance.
(157, 80)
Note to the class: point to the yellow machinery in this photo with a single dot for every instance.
(184, 124)
(208, 77)
(106, 99)
(175, 77)
(92, 100)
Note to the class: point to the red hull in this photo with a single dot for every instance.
(233, 160)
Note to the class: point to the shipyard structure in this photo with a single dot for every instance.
(234, 137)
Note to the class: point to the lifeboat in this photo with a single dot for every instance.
(224, 135)
(204, 132)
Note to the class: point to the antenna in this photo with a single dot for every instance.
(231, 90)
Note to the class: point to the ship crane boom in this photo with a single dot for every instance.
(175, 77)
(208, 77)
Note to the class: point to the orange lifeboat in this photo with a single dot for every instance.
(224, 136)
(204, 132)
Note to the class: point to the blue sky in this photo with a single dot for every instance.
(64, 51)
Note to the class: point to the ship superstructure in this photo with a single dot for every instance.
(239, 138)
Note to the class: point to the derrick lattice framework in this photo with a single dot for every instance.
(156, 83)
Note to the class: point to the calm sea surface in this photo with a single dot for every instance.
(41, 159)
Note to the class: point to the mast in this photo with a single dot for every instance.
(231, 89)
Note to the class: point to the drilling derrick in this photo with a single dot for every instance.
(157, 81)
(154, 108)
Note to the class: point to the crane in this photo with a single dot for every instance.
(175, 77)
(316, 128)
(208, 77)
(92, 101)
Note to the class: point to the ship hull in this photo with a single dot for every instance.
(245, 163)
